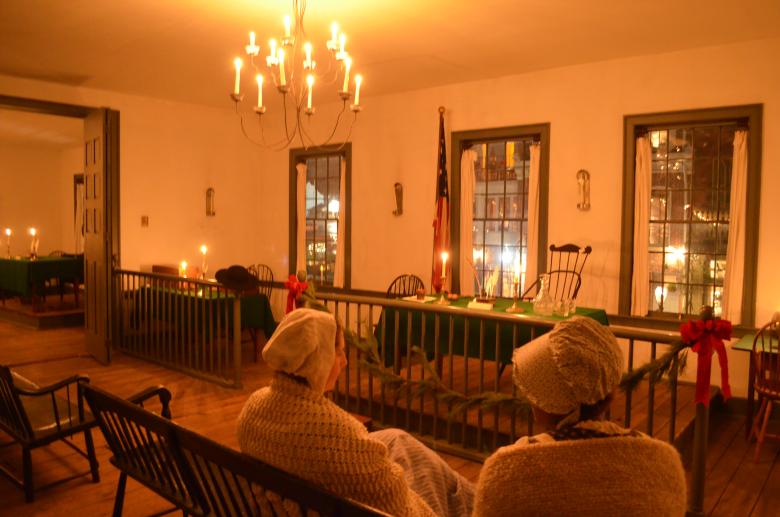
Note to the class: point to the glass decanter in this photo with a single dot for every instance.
(543, 303)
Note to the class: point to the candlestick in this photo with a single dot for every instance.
(282, 78)
(271, 60)
(322, 274)
(516, 295)
(183, 269)
(203, 266)
(34, 244)
(358, 82)
(8, 242)
(347, 66)
(237, 85)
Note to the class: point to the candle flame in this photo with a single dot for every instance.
(8, 232)
(203, 249)
(33, 232)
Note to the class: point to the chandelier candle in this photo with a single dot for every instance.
(183, 269)
(288, 66)
(203, 266)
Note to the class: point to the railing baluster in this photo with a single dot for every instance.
(673, 388)
(496, 386)
(422, 367)
(438, 369)
(409, 319)
(651, 394)
(513, 423)
(465, 378)
(627, 415)
(481, 381)
(451, 353)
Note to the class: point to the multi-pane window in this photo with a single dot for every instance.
(689, 216)
(322, 215)
(500, 229)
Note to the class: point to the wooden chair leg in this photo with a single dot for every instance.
(754, 429)
(762, 435)
(93, 462)
(119, 499)
(28, 475)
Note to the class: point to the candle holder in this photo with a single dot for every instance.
(514, 309)
(283, 88)
(443, 300)
(237, 97)
(260, 110)
(345, 95)
(355, 108)
(309, 111)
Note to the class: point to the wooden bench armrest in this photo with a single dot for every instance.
(52, 387)
(161, 392)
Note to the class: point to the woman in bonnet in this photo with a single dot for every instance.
(293, 426)
(583, 464)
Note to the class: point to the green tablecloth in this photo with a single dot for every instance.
(386, 331)
(22, 275)
(191, 308)
(745, 343)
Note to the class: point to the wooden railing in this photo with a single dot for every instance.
(184, 324)
(471, 351)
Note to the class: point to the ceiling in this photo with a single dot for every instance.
(34, 129)
(183, 49)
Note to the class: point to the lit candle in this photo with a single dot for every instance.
(286, 25)
(33, 232)
(271, 59)
(252, 39)
(342, 43)
(183, 268)
(8, 241)
(310, 82)
(307, 50)
(203, 267)
(259, 79)
(358, 82)
(347, 66)
(8, 232)
(334, 31)
(444, 257)
(282, 78)
(322, 274)
(237, 86)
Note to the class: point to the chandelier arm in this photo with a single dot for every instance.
(336, 125)
(349, 132)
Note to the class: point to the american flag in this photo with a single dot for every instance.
(441, 221)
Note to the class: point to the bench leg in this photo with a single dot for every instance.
(28, 477)
(93, 462)
(119, 500)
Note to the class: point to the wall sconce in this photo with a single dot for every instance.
(583, 180)
(399, 199)
(210, 202)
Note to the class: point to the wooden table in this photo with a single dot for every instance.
(745, 344)
(27, 278)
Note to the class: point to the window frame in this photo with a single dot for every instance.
(749, 116)
(299, 155)
(461, 140)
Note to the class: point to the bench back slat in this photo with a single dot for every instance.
(202, 476)
(13, 418)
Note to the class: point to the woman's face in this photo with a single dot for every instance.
(339, 363)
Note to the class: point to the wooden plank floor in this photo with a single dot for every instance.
(736, 485)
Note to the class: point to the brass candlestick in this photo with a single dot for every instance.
(514, 309)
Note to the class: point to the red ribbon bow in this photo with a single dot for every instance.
(706, 336)
(296, 288)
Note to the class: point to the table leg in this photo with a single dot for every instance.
(750, 395)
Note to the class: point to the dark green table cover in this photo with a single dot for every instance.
(386, 330)
(21, 275)
(192, 307)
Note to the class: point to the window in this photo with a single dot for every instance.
(691, 163)
(323, 169)
(500, 203)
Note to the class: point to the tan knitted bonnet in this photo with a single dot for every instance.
(578, 362)
(304, 344)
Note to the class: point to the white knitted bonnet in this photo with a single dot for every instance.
(578, 362)
(304, 344)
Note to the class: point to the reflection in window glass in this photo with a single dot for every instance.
(500, 229)
(322, 215)
(689, 213)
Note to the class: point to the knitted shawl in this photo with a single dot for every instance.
(294, 428)
(614, 476)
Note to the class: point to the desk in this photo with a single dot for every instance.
(506, 345)
(27, 277)
(745, 344)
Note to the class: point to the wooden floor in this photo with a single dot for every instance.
(736, 485)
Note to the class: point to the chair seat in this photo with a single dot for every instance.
(40, 411)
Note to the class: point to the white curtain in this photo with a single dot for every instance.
(735, 255)
(300, 252)
(467, 160)
(78, 225)
(640, 280)
(531, 266)
(338, 274)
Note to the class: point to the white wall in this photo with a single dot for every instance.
(31, 196)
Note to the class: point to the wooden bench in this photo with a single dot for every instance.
(199, 476)
(35, 416)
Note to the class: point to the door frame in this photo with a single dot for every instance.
(45, 107)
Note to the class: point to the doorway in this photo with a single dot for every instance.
(99, 211)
